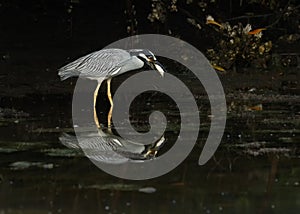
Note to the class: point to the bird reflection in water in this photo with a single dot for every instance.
(109, 148)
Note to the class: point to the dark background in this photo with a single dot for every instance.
(39, 36)
(256, 168)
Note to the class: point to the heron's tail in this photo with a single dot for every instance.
(69, 141)
(65, 74)
(71, 69)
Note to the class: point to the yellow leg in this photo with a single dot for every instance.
(95, 100)
(111, 104)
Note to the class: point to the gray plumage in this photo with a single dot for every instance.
(108, 148)
(104, 64)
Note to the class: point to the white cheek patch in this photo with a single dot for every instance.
(160, 142)
(117, 141)
(159, 69)
(143, 56)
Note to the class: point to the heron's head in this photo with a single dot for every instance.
(149, 58)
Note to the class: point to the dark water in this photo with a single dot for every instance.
(255, 170)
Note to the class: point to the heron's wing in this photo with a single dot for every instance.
(97, 64)
(69, 141)
(96, 147)
(104, 147)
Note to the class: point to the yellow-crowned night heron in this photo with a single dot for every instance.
(109, 148)
(107, 63)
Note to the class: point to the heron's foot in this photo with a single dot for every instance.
(97, 121)
(151, 153)
(109, 128)
(98, 125)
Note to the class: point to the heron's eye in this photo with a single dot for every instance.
(151, 58)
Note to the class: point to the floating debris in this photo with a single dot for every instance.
(8, 150)
(10, 113)
(122, 187)
(63, 152)
(51, 130)
(147, 190)
(252, 90)
(258, 107)
(20, 165)
(251, 144)
(117, 186)
(264, 151)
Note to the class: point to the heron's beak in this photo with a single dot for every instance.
(159, 68)
(155, 65)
